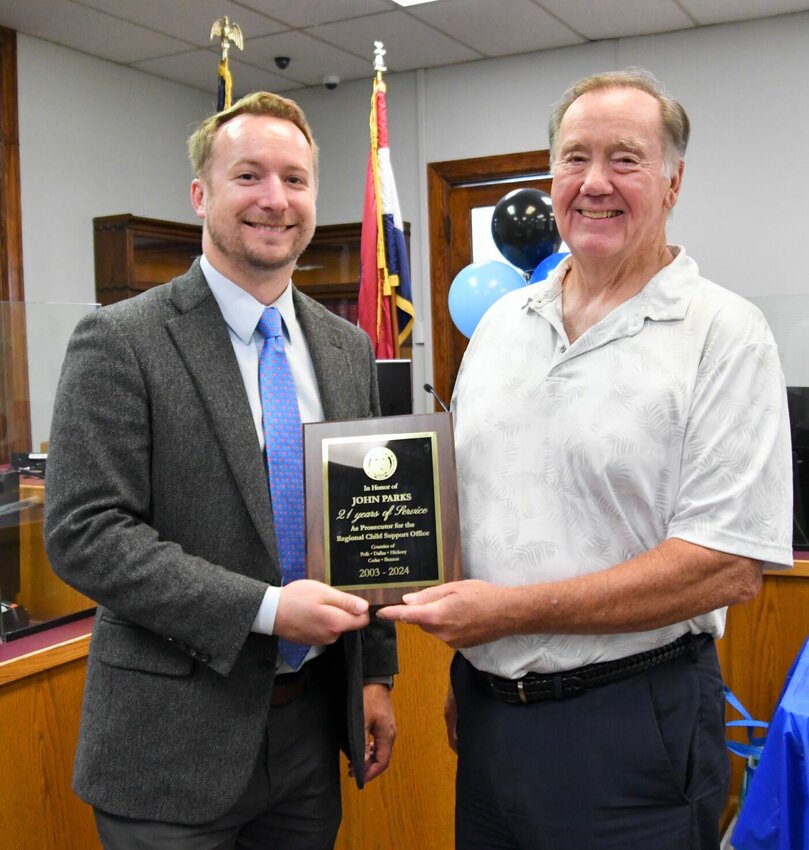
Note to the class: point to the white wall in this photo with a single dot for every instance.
(742, 213)
(99, 139)
(95, 139)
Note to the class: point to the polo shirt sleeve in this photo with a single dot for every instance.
(735, 491)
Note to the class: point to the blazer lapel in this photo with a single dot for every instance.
(203, 342)
(329, 359)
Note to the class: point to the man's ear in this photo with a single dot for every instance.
(675, 183)
(198, 197)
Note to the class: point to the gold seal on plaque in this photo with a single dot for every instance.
(379, 463)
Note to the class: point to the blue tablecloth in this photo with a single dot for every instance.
(775, 814)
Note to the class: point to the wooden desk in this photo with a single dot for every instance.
(762, 639)
(41, 684)
(408, 808)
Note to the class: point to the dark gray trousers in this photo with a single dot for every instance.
(292, 801)
(635, 764)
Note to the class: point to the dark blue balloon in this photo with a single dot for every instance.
(547, 266)
(524, 228)
(475, 288)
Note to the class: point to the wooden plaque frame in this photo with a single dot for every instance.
(380, 528)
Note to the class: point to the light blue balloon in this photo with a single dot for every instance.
(547, 266)
(475, 288)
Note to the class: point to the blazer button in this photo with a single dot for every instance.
(267, 662)
(204, 657)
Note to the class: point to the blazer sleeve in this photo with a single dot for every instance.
(99, 532)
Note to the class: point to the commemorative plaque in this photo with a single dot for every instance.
(382, 505)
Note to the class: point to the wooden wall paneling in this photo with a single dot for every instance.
(762, 639)
(15, 423)
(11, 278)
(412, 805)
(39, 722)
(44, 595)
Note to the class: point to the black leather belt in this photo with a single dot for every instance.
(538, 687)
(289, 686)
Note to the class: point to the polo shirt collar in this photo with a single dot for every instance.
(664, 298)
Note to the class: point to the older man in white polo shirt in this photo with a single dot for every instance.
(624, 471)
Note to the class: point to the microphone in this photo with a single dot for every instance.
(429, 389)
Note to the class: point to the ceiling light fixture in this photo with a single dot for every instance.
(412, 2)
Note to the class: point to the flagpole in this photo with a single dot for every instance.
(385, 290)
(228, 33)
(379, 70)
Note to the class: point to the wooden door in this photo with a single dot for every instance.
(455, 189)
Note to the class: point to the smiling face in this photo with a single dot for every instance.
(256, 197)
(610, 193)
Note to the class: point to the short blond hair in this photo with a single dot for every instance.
(200, 143)
(676, 126)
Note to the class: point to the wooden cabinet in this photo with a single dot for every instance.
(329, 269)
(133, 254)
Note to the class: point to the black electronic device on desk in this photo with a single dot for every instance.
(9, 534)
(798, 401)
(29, 464)
(395, 387)
(12, 615)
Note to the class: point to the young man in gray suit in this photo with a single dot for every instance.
(197, 732)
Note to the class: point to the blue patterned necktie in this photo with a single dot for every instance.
(284, 451)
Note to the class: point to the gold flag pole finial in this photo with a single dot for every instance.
(228, 33)
(379, 59)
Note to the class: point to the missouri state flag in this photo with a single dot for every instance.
(385, 306)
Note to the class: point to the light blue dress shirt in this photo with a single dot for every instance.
(241, 313)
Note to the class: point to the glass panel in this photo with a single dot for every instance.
(33, 340)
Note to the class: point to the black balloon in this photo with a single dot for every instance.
(524, 228)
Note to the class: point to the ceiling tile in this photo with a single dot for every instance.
(87, 30)
(197, 68)
(619, 18)
(410, 43)
(190, 20)
(482, 25)
(711, 12)
(307, 13)
(336, 36)
(310, 58)
(247, 78)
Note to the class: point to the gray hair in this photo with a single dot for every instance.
(676, 126)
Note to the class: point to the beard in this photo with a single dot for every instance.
(234, 247)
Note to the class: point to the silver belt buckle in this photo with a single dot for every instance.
(521, 692)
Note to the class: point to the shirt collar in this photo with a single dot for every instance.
(240, 310)
(665, 297)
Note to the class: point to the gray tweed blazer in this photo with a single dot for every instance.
(157, 508)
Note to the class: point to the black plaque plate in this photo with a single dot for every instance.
(382, 505)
